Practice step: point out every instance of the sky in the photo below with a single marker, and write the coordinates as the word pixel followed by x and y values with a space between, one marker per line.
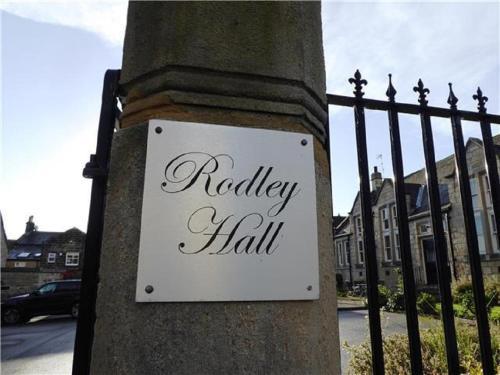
pixel 54 55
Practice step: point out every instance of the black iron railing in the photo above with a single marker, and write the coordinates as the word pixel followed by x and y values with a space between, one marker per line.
pixel 444 278
pixel 97 170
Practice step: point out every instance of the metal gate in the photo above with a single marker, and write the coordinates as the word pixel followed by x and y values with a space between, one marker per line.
pixel 425 112
pixel 97 169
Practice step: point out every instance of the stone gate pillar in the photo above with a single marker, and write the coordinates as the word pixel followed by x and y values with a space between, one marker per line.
pixel 246 64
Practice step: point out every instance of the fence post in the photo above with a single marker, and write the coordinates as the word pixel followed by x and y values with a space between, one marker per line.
pixel 471 237
pixel 410 297
pixel 368 230
pixel 444 274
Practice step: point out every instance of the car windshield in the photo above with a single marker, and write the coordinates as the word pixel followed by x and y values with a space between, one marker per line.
pixel 48 288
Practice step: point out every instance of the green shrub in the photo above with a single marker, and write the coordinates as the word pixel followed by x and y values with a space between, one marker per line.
pixel 397 356
pixel 395 301
pixel 426 304
pixel 495 315
pixel 462 312
pixel 383 295
pixel 492 291
pixel 463 294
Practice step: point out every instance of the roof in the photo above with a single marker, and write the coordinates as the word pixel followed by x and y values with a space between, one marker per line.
pixel 30 245
pixel 422 202
pixel 36 238
pixel 496 142
pixel 337 220
pixel 25 253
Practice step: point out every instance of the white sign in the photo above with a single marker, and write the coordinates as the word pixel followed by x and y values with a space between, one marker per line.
pixel 228 214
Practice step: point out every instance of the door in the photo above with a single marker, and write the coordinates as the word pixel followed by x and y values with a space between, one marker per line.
pixel 430 261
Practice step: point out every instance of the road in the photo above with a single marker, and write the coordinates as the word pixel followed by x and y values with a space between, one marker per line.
pixel 41 347
pixel 45 345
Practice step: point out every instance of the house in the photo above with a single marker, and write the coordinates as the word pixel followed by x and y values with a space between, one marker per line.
pixel 348 243
pixel 38 256
pixel 4 244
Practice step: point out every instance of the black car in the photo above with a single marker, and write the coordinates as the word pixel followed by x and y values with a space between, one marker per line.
pixel 57 297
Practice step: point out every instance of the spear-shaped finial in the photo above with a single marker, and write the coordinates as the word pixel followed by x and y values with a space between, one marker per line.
pixel 481 100
pixel 422 93
pixel 358 84
pixel 452 99
pixel 391 91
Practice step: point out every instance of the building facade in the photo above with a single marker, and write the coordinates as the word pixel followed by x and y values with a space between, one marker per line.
pixel 39 256
pixel 348 242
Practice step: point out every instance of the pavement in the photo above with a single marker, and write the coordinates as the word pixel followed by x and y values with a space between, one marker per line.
pixel 350 303
pixel 44 346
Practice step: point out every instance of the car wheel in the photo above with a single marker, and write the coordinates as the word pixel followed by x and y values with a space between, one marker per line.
pixel 12 316
pixel 74 310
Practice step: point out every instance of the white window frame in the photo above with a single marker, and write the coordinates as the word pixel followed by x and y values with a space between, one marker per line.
pixel 396 246
pixel 384 218
pixel 478 207
pixel 347 261
pixel 70 258
pixel 491 215
pixel 339 254
pixel 51 257
pixel 359 226
pixel 361 252
pixel 387 248
pixel 394 217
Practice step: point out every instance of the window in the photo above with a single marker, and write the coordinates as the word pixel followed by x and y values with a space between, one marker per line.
pixel 398 250
pixel 361 252
pixel 394 217
pixel 387 248
pixel 359 227
pixel 51 258
pixel 496 245
pixel 474 191
pixel 478 218
pixel 478 213
pixel 384 213
pixel 487 190
pixel 339 254
pixel 47 288
pixel 424 229
pixel 72 259
pixel 347 261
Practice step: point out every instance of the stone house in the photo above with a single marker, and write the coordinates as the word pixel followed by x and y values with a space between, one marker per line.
pixel 348 234
pixel 38 256
pixel 4 244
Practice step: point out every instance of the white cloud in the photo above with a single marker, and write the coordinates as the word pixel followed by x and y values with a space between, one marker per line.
pixel 105 18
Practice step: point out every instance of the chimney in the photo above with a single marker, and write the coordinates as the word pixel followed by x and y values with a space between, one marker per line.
pixel 30 225
pixel 376 179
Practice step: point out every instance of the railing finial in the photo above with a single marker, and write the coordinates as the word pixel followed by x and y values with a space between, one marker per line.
pixel 481 100
pixel 391 91
pixel 422 92
pixel 358 84
pixel 452 99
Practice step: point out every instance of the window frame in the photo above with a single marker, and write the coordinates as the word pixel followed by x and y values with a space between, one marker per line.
pixel 397 248
pixel 51 257
pixel 72 254
pixel 387 248
pixel 361 252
